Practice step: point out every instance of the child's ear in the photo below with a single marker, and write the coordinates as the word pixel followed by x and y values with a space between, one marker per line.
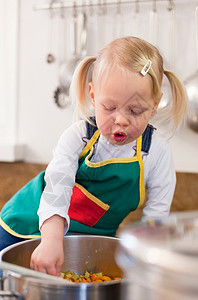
pixel 156 104
pixel 91 93
pixel 155 108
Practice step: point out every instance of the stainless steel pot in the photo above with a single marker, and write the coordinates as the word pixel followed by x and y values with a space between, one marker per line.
pixel 92 253
pixel 160 258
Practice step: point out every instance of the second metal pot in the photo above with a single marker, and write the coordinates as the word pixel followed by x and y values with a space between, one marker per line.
pixel 160 258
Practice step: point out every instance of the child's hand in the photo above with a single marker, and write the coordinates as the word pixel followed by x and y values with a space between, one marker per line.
pixel 48 257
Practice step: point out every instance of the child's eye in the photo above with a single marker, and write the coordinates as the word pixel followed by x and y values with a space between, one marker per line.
pixel 109 108
pixel 135 112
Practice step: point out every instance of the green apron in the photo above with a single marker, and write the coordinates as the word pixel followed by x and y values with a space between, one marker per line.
pixel 104 194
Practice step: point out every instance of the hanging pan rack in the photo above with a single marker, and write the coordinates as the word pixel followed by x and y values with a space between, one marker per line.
pixel 91 3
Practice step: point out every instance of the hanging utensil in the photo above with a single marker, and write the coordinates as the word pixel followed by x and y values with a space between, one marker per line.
pixel 154 24
pixel 80 51
pixel 61 97
pixel 191 85
pixel 119 30
pixel 62 25
pixel 50 56
pixel 171 10
pixel 167 96
pixel 101 24
pixel 137 18
pixel 81 42
pixel 61 94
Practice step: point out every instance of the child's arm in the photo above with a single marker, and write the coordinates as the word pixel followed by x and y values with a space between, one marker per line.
pixel 53 215
pixel 61 173
pixel 160 180
pixel 48 256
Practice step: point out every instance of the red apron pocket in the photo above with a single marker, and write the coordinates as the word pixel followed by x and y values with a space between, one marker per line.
pixel 86 208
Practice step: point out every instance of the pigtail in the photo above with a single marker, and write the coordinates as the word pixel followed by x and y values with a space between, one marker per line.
pixel 79 89
pixel 179 98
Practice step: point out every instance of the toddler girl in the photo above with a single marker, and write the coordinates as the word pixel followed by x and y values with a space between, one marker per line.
pixel 104 162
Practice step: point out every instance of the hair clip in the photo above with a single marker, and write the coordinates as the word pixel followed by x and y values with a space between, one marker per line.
pixel 146 68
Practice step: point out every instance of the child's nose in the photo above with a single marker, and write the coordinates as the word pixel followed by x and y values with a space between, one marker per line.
pixel 121 120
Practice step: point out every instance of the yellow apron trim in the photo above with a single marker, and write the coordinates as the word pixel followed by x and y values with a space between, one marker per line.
pixel 108 161
pixel 90 144
pixel 92 197
pixel 142 187
pixel 141 183
pixel 139 147
pixel 12 232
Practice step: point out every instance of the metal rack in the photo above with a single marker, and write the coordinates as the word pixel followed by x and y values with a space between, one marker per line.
pixel 96 3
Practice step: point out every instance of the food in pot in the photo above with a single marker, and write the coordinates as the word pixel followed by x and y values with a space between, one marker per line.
pixel 87 277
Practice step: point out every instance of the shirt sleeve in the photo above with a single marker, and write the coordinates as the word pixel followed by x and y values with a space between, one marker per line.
pixel 60 174
pixel 161 180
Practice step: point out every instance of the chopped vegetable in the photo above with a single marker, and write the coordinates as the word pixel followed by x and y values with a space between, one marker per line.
pixel 87 277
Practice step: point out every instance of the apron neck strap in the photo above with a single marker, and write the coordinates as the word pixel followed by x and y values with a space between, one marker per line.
pixel 94 139
pixel 139 146
pixel 90 144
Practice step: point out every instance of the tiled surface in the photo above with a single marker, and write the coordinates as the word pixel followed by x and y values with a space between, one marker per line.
pixel 14 175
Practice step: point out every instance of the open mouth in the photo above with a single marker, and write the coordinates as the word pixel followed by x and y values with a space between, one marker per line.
pixel 119 136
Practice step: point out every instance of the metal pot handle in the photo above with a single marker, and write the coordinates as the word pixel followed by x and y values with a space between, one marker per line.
pixel 11 294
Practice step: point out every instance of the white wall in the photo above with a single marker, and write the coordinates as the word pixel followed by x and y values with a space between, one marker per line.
pixel 40 121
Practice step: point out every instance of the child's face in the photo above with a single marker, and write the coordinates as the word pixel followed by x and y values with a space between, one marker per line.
pixel 123 105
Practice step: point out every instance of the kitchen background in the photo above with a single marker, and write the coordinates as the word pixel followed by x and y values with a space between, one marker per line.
pixel 30 120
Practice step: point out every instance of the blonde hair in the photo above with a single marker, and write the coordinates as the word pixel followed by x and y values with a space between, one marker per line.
pixel 131 53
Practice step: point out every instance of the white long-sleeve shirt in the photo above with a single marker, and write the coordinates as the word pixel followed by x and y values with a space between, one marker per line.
pixel 159 173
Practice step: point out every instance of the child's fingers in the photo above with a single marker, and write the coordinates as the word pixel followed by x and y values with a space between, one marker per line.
pixel 31 265
pixel 46 268
pixel 58 268
pixel 42 270
pixel 42 266
pixel 51 270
